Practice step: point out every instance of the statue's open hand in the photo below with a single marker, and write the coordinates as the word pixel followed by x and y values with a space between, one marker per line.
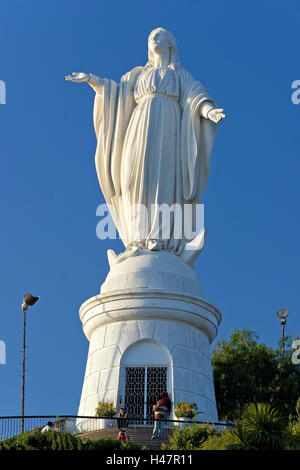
pixel 216 115
pixel 78 77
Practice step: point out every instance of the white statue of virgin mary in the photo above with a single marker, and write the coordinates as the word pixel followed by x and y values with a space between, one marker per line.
pixel 155 131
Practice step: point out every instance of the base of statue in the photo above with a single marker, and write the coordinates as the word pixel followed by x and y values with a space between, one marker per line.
pixel 149 331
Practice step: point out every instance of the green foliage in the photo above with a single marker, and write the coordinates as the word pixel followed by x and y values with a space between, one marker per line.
pixel 185 410
pixel 294 441
pixel 226 440
pixel 52 440
pixel 294 430
pixel 105 410
pixel 107 443
pixel 262 427
pixel 246 371
pixel 35 440
pixel 298 407
pixel 190 437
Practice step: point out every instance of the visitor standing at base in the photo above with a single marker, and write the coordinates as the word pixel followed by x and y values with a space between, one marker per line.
pixel 161 411
pixel 122 419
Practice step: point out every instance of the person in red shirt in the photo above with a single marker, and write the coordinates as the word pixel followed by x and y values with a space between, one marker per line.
pixel 166 401
pixel 122 436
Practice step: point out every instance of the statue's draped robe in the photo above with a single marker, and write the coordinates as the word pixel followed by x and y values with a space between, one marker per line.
pixel 153 148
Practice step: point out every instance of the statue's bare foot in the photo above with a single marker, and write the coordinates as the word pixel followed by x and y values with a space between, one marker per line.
pixel 155 245
pixel 134 246
pixel 134 249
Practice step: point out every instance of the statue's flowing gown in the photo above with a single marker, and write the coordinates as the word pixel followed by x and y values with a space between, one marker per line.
pixel 153 150
pixel 150 166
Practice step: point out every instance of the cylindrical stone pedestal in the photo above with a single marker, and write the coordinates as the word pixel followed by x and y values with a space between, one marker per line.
pixel 149 324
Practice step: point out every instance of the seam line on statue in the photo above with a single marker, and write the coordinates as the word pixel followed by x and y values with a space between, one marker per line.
pixel 194 350
pixel 138 328
pixel 198 372
pixel 104 338
pixel 195 393
pixel 178 367
pixel 109 346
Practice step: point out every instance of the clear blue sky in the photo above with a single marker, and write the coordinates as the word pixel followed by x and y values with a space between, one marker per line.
pixel 247 54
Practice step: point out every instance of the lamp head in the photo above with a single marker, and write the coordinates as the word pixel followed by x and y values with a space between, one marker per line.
pixel 282 313
pixel 30 299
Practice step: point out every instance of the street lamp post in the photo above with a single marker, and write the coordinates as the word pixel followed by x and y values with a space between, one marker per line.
pixel 27 301
pixel 282 314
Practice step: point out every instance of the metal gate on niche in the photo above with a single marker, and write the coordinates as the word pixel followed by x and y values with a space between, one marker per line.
pixel 143 387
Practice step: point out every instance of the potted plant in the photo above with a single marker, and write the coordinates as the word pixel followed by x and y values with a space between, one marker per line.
pixel 185 412
pixel 106 411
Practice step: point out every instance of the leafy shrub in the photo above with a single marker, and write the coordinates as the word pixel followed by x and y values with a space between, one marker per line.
pixel 105 410
pixel 52 440
pixel 107 443
pixel 35 440
pixel 190 437
pixel 293 441
pixel 261 427
pixel 226 440
pixel 298 408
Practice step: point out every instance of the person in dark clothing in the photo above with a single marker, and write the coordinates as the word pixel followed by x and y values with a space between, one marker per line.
pixel 122 419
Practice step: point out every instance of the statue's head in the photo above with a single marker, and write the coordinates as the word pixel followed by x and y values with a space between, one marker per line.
pixel 160 38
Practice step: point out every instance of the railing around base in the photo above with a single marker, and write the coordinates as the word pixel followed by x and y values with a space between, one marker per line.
pixel 11 425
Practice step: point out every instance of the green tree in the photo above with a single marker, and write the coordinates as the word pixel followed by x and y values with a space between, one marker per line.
pixel 286 381
pixel 247 371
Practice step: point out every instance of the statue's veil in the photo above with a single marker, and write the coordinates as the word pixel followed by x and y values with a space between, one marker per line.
pixel 174 58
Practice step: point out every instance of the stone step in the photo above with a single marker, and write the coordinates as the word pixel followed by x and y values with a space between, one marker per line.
pixel 140 436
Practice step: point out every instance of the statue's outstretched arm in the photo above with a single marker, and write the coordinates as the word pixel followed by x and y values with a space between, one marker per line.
pixel 95 82
pixel 208 111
